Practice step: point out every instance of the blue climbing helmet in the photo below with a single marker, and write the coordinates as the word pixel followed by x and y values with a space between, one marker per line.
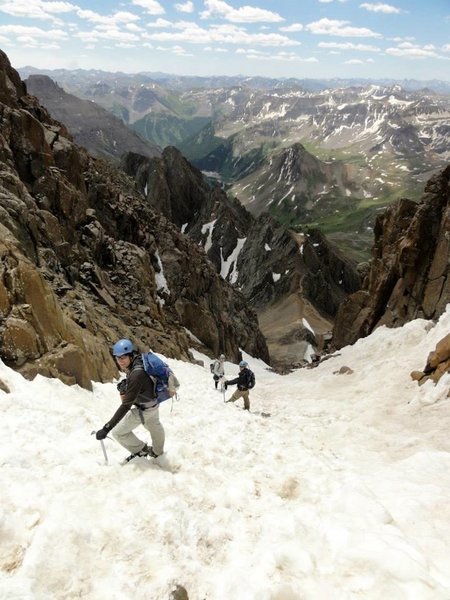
pixel 243 364
pixel 123 347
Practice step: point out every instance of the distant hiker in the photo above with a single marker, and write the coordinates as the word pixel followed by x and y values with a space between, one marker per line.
pixel 139 407
pixel 245 381
pixel 218 369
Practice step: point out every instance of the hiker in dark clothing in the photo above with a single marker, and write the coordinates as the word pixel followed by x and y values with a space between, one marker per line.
pixel 242 385
pixel 139 406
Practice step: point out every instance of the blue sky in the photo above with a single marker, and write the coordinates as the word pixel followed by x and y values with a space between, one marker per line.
pixel 284 38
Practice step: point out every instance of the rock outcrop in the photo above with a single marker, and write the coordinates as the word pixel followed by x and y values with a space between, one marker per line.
pixel 409 275
pixel 84 260
pixel 438 363
pixel 295 282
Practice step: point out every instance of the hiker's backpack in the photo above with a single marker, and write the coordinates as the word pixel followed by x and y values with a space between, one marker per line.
pixel 166 384
pixel 250 379
pixel 211 367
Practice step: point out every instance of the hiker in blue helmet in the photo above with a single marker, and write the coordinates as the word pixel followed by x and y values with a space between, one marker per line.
pixel 138 406
pixel 242 381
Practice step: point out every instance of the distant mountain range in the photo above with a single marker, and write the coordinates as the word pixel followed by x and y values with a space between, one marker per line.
pixel 218 81
pixel 325 153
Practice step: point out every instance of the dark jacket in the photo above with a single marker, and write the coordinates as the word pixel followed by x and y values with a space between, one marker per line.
pixel 139 390
pixel 241 379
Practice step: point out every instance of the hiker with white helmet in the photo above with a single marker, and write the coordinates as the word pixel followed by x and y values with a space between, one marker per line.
pixel 138 407
pixel 245 381
pixel 218 369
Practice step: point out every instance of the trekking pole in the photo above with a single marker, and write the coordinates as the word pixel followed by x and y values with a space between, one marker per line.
pixel 103 448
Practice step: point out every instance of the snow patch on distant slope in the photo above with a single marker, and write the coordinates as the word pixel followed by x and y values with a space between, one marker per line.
pixel 208 227
pixel 231 261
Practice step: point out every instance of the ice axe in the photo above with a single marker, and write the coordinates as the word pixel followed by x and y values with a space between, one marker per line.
pixel 103 448
pixel 223 389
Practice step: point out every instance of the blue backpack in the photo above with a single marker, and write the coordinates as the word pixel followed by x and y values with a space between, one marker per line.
pixel 166 384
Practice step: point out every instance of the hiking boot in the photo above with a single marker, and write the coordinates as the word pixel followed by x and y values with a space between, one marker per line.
pixel 145 451
pixel 151 453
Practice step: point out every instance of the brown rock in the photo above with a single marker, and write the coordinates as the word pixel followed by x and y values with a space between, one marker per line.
pixel 409 273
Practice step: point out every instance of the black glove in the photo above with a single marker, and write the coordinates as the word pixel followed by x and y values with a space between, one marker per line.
pixel 122 386
pixel 102 433
pixel 225 385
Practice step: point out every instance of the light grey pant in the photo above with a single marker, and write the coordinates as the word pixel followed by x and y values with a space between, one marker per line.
pixel 241 394
pixel 123 431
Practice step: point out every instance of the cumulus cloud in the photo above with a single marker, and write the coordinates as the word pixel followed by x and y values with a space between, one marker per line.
pixel 151 6
pixel 244 14
pixel 339 28
pixel 254 54
pixel 354 61
pixel 111 20
pixel 187 7
pixel 408 50
pixel 226 34
pixel 292 28
pixel 36 9
pixel 349 46
pixel 382 8
pixel 178 50
pixel 33 32
pixel 160 23
pixel 107 34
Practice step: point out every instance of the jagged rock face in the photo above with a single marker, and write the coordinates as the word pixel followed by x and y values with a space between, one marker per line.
pixel 248 252
pixel 100 132
pixel 84 260
pixel 171 184
pixel 263 259
pixel 409 274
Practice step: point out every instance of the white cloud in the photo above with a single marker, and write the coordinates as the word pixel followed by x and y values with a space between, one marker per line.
pixel 354 61
pixel 33 32
pixel 349 46
pixel 226 34
pixel 292 28
pixel 214 49
pixel 103 33
pixel 187 7
pixel 36 9
pixel 339 28
pixel 255 54
pixel 133 27
pixel 160 23
pixel 408 50
pixel 398 39
pixel 244 14
pixel 151 6
pixel 446 48
pixel 178 50
pixel 111 20
pixel 379 7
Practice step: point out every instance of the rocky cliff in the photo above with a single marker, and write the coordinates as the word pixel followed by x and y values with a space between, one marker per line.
pixel 100 132
pixel 409 274
pixel 294 281
pixel 85 260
